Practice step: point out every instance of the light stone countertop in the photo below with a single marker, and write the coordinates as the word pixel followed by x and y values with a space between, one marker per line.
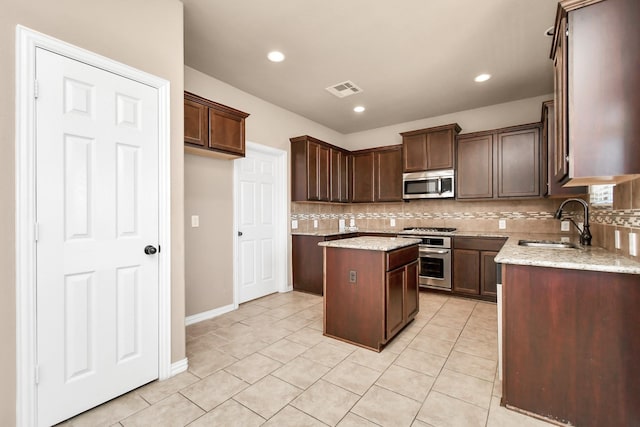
pixel 589 258
pixel 326 233
pixel 384 244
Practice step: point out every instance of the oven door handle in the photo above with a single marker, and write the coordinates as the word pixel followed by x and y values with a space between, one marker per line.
pixel 434 251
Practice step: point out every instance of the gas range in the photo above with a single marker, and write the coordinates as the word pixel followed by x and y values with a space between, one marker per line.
pixel 427 231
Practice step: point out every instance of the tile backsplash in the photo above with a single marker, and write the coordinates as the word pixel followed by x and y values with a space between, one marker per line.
pixel 532 216
pixel 623 216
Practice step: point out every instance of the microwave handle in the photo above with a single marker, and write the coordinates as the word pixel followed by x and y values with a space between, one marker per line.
pixel 439 185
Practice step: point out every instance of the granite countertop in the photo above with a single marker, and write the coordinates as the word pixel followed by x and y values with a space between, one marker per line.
pixel 369 243
pixel 590 258
pixel 326 233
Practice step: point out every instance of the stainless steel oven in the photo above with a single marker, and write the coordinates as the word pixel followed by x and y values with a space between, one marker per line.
pixel 434 260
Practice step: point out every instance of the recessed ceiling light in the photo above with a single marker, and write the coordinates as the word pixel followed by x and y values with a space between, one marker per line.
pixel 275 56
pixel 359 109
pixel 482 78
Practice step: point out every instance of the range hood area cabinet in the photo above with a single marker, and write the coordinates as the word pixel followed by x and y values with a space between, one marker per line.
pixel 429 149
pixel 212 129
pixel 319 171
pixel 499 164
pixel 595 51
pixel 377 175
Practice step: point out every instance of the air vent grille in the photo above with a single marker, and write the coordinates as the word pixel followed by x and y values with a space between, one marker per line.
pixel 344 89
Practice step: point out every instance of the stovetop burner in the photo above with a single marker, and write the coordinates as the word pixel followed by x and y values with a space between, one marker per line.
pixel 423 230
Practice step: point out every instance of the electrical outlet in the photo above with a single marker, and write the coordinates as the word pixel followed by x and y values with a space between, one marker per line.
pixel 315 223
pixel 341 225
pixel 565 226
pixel 353 276
pixel 352 222
pixel 502 224
pixel 633 244
pixel 617 239
pixel 392 222
pixel 294 224
pixel 195 221
pixel 565 239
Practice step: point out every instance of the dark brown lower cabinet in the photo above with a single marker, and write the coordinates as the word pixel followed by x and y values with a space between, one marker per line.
pixel 306 262
pixel 571 345
pixel 474 268
pixel 369 295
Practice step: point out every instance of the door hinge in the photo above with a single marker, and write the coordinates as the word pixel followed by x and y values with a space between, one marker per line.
pixel 159 248
pixel 36 374
pixel 36 231
pixel 566 31
pixel 36 89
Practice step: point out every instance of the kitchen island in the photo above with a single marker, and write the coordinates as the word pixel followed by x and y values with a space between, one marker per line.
pixel 370 288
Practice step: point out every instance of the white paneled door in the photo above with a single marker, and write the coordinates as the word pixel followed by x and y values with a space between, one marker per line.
pixel 256 225
pixel 97 211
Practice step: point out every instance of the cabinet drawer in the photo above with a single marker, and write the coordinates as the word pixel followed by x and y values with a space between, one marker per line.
pixel 401 257
pixel 479 244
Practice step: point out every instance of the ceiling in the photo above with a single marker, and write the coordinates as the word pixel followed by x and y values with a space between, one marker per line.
pixel 413 59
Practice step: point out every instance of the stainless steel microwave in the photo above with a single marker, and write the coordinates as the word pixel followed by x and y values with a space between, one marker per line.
pixel 428 185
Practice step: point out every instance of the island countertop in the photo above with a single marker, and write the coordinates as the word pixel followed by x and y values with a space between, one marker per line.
pixel 384 244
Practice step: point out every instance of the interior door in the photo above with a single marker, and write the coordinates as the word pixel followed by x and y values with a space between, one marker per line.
pixel 97 210
pixel 257 240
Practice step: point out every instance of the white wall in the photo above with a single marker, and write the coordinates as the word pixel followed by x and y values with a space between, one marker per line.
pixel 484 118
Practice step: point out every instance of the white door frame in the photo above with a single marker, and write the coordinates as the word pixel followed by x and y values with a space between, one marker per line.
pixel 27 41
pixel 280 215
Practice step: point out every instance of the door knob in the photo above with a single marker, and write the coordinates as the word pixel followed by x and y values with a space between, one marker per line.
pixel 150 250
pixel 239 233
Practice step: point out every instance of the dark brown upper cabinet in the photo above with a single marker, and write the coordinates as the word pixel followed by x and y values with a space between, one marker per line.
pixel 596 51
pixel 377 175
pixel 500 163
pixel 429 149
pixel 549 186
pixel 213 129
pixel 319 171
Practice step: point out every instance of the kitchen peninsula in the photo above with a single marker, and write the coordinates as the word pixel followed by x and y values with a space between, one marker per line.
pixel 370 288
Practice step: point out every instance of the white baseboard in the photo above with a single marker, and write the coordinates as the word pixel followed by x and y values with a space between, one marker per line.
pixel 287 289
pixel 179 366
pixel 195 318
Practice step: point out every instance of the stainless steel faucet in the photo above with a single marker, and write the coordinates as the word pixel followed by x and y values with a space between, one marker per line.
pixel 585 234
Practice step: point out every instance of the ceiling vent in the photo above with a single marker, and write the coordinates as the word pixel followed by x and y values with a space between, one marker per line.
pixel 344 89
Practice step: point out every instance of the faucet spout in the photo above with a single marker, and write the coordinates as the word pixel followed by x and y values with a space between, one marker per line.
pixel 585 234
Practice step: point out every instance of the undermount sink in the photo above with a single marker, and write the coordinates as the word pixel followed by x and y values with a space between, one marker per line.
pixel 548 244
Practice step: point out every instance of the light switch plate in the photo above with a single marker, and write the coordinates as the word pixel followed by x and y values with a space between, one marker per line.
pixel 294 224
pixel 392 222
pixel 195 221
pixel 502 224
pixel 315 223
pixel 352 222
pixel 565 226
pixel 633 244
pixel 616 239
pixel 341 225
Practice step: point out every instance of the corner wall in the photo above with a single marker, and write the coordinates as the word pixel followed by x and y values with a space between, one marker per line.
pixel 209 190
pixel 143 35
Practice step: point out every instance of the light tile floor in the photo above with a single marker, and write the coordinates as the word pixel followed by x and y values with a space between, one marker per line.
pixel 268 363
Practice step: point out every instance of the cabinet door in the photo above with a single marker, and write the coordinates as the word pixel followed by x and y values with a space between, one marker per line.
pixel 313 171
pixel 519 163
pixel 550 186
pixel 226 131
pixel 395 301
pixel 306 263
pixel 561 142
pixel 195 123
pixel 411 291
pixel 336 176
pixel 414 153
pixel 345 182
pixel 475 167
pixel 323 173
pixel 488 276
pixel 363 177
pixel 440 149
pixel 388 175
pixel 466 269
